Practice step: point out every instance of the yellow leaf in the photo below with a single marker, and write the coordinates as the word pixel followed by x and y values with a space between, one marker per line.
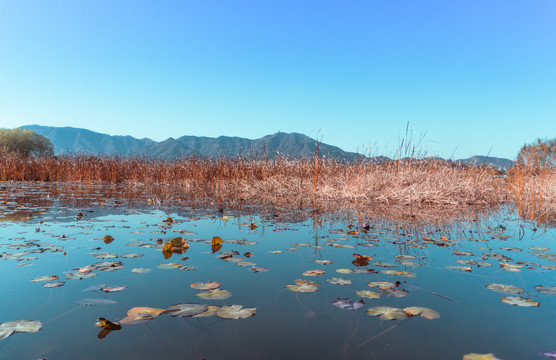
pixel 216 244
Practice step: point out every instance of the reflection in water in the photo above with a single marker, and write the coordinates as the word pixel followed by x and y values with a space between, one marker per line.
pixel 298 285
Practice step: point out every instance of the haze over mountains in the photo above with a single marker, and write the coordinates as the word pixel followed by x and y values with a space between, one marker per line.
pixel 293 145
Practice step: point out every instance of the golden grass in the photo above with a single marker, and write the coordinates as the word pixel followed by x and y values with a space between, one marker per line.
pixel 533 189
pixel 302 183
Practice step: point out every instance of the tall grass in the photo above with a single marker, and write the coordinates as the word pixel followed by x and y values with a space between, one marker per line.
pixel 281 181
pixel 533 189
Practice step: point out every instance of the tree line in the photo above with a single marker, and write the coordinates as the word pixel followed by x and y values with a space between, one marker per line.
pixel 25 142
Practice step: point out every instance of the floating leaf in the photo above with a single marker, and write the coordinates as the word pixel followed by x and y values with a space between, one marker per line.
pixel 93 302
pixel 18 326
pixel 347 304
pixel 394 292
pixel 140 270
pixel 209 285
pixel 131 256
pixel 313 272
pixel 303 286
pixel 107 239
pixel 154 312
pixel 168 266
pixel 368 294
pixel 506 289
pixel 344 271
pixel 364 271
pixel 425 312
pixel 520 301
pixel 216 244
pixel 459 268
pixel 398 273
pixel 384 264
pixel 382 284
pixel 548 354
pixel 235 312
pixel 111 289
pixel 258 269
pixel 510 267
pixel 140 315
pixel 45 278
pixel 186 309
pixel 387 312
pixel 323 262
pixel 539 248
pixel 108 325
pixel 549 290
pixel 54 284
pixel 463 253
pixel 474 356
pixel 212 309
pixel 507 248
pixel 79 275
pixel 136 319
pixel 216 294
pixel 339 281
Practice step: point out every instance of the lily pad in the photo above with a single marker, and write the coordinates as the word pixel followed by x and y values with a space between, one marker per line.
pixel 395 292
pixel 235 312
pixel 339 281
pixel 387 312
pixel 313 272
pixel 185 309
pixel 520 301
pixel 140 270
pixel 344 271
pixel 212 309
pixel 382 284
pixel 54 284
pixel 303 286
pixel 510 267
pixel 19 326
pixel 216 294
pixel 368 294
pixel 506 289
pixel 323 262
pixel 93 302
pixel 549 290
pixel 425 312
pixel 347 304
pixel 258 269
pixel 209 285
pixel 45 278
pixel 474 356
pixel 459 268
pixel 398 273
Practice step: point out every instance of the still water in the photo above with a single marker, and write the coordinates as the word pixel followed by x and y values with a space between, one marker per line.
pixel 445 268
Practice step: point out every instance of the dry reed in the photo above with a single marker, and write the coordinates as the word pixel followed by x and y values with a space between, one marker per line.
pixel 281 181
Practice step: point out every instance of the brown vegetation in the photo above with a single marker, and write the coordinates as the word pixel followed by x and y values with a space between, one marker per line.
pixel 309 183
pixel 281 180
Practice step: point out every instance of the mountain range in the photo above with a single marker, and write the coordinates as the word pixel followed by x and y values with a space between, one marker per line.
pixel 292 145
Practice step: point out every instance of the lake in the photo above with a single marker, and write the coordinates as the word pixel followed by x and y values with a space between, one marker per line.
pixel 111 259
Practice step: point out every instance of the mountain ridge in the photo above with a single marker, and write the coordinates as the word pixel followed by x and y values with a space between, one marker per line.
pixel 293 145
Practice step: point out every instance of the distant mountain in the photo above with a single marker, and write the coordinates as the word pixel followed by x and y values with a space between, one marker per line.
pixel 478 160
pixel 294 145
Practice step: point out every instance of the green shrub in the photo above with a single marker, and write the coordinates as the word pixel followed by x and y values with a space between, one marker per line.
pixel 25 142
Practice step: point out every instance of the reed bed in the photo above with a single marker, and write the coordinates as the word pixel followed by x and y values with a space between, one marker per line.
pixel 282 181
pixel 533 190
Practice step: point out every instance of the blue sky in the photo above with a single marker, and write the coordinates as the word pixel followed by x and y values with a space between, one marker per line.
pixel 469 76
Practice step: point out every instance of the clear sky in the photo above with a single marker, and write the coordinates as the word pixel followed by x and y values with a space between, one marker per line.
pixel 469 76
